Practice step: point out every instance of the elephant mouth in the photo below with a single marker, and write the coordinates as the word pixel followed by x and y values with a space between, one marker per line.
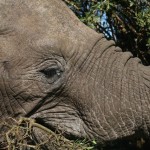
pixel 57 130
pixel 45 127
pixel 127 143
pixel 39 132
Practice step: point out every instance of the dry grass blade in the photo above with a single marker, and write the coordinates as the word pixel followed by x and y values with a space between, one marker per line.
pixel 20 136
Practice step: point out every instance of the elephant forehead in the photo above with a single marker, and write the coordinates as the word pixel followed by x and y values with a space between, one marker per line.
pixel 43 17
pixel 40 22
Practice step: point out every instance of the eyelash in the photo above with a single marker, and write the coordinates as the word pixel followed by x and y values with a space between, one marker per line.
pixel 52 74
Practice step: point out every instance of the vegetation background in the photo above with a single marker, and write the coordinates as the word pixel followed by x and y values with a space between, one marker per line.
pixel 127 22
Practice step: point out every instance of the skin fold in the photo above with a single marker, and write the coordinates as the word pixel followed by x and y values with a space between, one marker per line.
pixel 68 77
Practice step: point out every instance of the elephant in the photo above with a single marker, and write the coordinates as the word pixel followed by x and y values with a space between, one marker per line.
pixel 67 77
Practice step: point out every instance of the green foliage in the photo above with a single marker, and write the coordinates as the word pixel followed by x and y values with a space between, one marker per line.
pixel 127 22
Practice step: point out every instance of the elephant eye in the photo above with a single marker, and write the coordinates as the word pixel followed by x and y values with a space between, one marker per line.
pixel 52 74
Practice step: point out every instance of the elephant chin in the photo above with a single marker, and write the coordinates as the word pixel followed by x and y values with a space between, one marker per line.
pixel 73 129
pixel 46 133
pixel 62 118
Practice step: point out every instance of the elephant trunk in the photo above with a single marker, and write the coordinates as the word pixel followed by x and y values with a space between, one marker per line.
pixel 116 97
pixel 144 93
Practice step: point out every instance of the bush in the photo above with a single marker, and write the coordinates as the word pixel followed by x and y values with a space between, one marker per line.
pixel 127 22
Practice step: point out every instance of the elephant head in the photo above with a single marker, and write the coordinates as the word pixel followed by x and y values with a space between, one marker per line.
pixel 68 77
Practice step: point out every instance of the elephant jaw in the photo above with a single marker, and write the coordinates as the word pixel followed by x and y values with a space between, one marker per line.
pixel 62 120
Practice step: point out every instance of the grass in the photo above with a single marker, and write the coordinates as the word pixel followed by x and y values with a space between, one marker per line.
pixel 20 136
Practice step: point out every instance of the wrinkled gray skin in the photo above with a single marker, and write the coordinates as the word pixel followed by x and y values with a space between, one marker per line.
pixel 68 77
